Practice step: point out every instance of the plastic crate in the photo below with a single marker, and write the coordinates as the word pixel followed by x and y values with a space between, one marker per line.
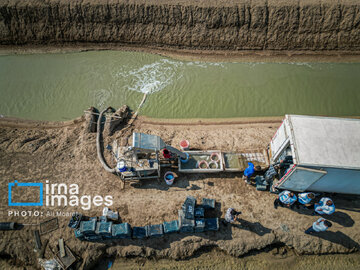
pixel 103 219
pixel 185 224
pixel 104 229
pixel 208 203
pixel 211 224
pixel 261 184
pixel 199 212
pixel 171 226
pixel 140 232
pixel 78 234
pixel 199 225
pixel 121 231
pixel 261 187
pixel 189 207
pixel 156 230
pixel 75 220
pixel 88 227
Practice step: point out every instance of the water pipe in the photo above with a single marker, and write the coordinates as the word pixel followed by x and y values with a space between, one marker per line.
pixel 98 148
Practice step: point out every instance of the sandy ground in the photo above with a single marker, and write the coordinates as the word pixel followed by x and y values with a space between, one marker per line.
pixel 276 259
pixel 66 153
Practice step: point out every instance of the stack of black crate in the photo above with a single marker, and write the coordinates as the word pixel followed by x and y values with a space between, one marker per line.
pixel 192 216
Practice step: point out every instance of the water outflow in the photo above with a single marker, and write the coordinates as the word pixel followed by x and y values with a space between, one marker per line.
pixel 146 79
pixel 151 78
pixel 62 86
pixel 154 77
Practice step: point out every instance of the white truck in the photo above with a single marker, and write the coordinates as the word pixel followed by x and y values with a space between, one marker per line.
pixel 325 153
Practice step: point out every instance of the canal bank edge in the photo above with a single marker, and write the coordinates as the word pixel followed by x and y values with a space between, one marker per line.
pixel 209 25
pixel 14 122
pixel 213 56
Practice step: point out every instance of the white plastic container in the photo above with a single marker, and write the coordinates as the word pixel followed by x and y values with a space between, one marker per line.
pixel 110 214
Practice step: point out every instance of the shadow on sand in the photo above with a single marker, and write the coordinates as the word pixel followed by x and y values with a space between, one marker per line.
pixel 341 218
pixel 224 233
pixel 254 227
pixel 338 217
pixel 338 238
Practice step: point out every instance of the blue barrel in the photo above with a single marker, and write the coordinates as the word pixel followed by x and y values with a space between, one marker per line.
pixel 184 160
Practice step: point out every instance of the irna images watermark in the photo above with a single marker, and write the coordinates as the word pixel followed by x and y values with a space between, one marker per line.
pixel 55 194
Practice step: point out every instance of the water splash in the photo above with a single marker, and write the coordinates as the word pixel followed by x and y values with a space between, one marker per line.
pixel 152 78
pixel 255 64
pixel 156 76
pixel 206 64
pixel 309 65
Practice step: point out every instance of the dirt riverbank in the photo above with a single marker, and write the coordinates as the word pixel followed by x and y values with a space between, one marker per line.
pixel 237 25
pixel 66 153
pixel 276 259
pixel 243 56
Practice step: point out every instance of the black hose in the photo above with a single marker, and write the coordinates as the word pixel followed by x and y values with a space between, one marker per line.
pixel 99 152
pixel 7 226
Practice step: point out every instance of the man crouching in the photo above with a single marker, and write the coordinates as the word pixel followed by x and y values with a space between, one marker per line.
pixel 231 216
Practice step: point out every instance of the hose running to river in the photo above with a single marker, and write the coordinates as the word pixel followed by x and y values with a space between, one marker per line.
pixel 98 136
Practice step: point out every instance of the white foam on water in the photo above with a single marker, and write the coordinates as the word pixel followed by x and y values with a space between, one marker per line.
pixel 254 64
pixel 152 78
pixel 206 64
pixel 302 64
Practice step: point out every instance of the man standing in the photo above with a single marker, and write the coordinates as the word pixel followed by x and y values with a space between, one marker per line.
pixel 286 198
pixel 325 206
pixel 270 173
pixel 320 225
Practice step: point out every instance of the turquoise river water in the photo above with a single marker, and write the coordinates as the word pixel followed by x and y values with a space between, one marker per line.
pixel 61 86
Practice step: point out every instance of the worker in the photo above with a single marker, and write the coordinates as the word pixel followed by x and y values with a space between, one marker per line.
pixel 320 225
pixel 284 165
pixel 249 171
pixel 270 173
pixel 231 216
pixel 306 199
pixel 286 162
pixel 325 206
pixel 285 199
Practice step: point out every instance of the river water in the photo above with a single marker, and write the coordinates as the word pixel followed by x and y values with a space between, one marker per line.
pixel 61 86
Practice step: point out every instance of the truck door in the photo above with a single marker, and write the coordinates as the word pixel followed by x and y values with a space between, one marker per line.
pixel 300 179
pixel 279 142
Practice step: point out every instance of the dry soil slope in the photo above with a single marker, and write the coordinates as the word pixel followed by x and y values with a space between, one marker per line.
pixel 230 25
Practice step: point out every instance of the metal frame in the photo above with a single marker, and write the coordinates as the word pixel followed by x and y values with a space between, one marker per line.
pixel 48 221
pixel 137 176
pixel 67 261
pixel 220 169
